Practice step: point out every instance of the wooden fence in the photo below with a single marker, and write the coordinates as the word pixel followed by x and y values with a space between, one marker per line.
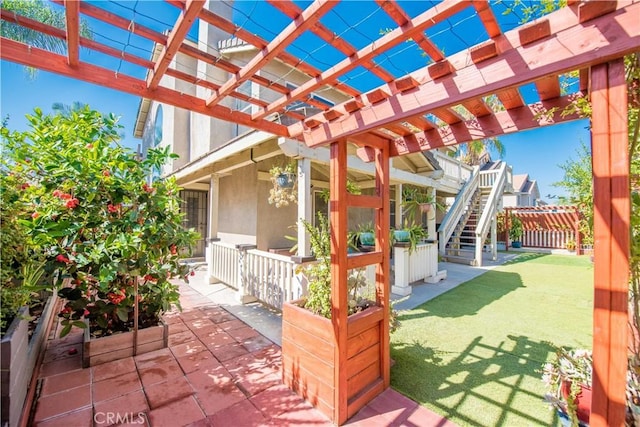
pixel 549 227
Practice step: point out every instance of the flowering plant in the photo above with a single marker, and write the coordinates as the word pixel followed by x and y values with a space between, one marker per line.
pixel 569 369
pixel 98 221
pixel 284 189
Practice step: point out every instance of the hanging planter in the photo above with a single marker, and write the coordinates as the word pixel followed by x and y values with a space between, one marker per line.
pixel 286 180
pixel 425 207
pixel 284 189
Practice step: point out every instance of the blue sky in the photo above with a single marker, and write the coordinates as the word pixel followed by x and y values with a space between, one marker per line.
pixel 537 152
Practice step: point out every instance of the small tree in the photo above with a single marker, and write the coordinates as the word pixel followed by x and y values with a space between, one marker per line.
pixel 96 220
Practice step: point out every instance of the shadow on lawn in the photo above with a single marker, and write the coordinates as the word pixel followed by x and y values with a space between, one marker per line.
pixel 470 296
pixel 463 378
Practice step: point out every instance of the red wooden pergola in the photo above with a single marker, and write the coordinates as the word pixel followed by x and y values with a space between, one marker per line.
pixel 411 113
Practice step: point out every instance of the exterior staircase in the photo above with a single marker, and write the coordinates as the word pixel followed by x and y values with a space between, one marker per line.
pixel 471 220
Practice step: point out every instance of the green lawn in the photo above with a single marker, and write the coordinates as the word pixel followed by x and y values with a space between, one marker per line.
pixel 474 353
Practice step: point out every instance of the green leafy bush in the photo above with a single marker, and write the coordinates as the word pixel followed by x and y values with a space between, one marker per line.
pixel 98 221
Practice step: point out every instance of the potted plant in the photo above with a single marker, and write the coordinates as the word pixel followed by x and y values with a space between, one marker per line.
pixel 308 347
pixel 515 232
pixel 568 380
pixel 415 202
pixel 284 182
pixel 366 234
pixel 114 235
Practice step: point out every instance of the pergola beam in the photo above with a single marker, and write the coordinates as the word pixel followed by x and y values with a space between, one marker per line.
pixel 428 19
pixel 501 123
pixel 72 17
pixel 174 41
pixel 574 45
pixel 302 23
pixel 30 56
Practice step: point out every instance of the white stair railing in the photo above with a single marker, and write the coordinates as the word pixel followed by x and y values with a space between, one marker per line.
pixel 498 179
pixel 451 219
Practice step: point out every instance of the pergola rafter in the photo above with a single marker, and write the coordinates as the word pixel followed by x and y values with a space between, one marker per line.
pixel 299 25
pixel 482 91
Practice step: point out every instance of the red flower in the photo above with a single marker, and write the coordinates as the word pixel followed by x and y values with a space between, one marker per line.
pixel 106 173
pixel 89 146
pixel 86 312
pixel 35 215
pixel 25 186
pixel 113 208
pixel 149 278
pixel 57 193
pixel 193 273
pixel 146 188
pixel 62 258
pixel 72 203
pixel 115 298
pixel 66 196
pixel 173 249
pixel 66 310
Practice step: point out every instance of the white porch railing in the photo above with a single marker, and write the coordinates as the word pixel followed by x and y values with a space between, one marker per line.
pixel 450 220
pixel 225 264
pixel 420 264
pixel 267 277
pixel 497 179
pixel 272 278
pixel 547 238
pixel 453 168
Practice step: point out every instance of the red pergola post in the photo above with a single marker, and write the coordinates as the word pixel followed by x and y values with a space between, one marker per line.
pixel 611 242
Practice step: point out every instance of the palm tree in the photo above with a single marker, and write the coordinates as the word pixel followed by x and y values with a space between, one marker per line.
pixel 43 12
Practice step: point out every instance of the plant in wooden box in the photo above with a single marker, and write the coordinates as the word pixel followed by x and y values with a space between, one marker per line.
pixel 284 181
pixel 116 237
pixel 308 345
pixel 26 306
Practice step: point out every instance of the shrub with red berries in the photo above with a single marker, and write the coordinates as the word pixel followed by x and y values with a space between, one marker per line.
pixel 92 211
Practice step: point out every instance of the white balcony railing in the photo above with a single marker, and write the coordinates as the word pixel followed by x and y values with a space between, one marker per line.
pixel 453 168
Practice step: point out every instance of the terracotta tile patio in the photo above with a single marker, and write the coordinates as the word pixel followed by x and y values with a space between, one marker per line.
pixel 217 371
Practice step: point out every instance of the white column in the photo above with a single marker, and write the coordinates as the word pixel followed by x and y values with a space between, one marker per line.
pixel 399 218
pixel 401 284
pixel 431 218
pixel 304 205
pixel 494 237
pixel 214 191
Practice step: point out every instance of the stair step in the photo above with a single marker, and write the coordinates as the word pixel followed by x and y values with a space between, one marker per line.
pixel 459 260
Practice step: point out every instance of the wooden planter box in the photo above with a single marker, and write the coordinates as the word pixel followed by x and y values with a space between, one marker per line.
pixel 308 355
pixel 106 349
pixel 19 356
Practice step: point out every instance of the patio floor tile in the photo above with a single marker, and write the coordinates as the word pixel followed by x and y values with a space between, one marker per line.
pixel 227 352
pixel 202 360
pixel 160 371
pixel 166 392
pixel 187 348
pixel 181 338
pixel 178 413
pixel 61 366
pixel 65 401
pixel 83 417
pixel 65 381
pixel 243 333
pixel 244 411
pixel 112 369
pixel 129 405
pixel 301 415
pixel 275 400
pixel 116 386
pixel 231 324
pixel 58 352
